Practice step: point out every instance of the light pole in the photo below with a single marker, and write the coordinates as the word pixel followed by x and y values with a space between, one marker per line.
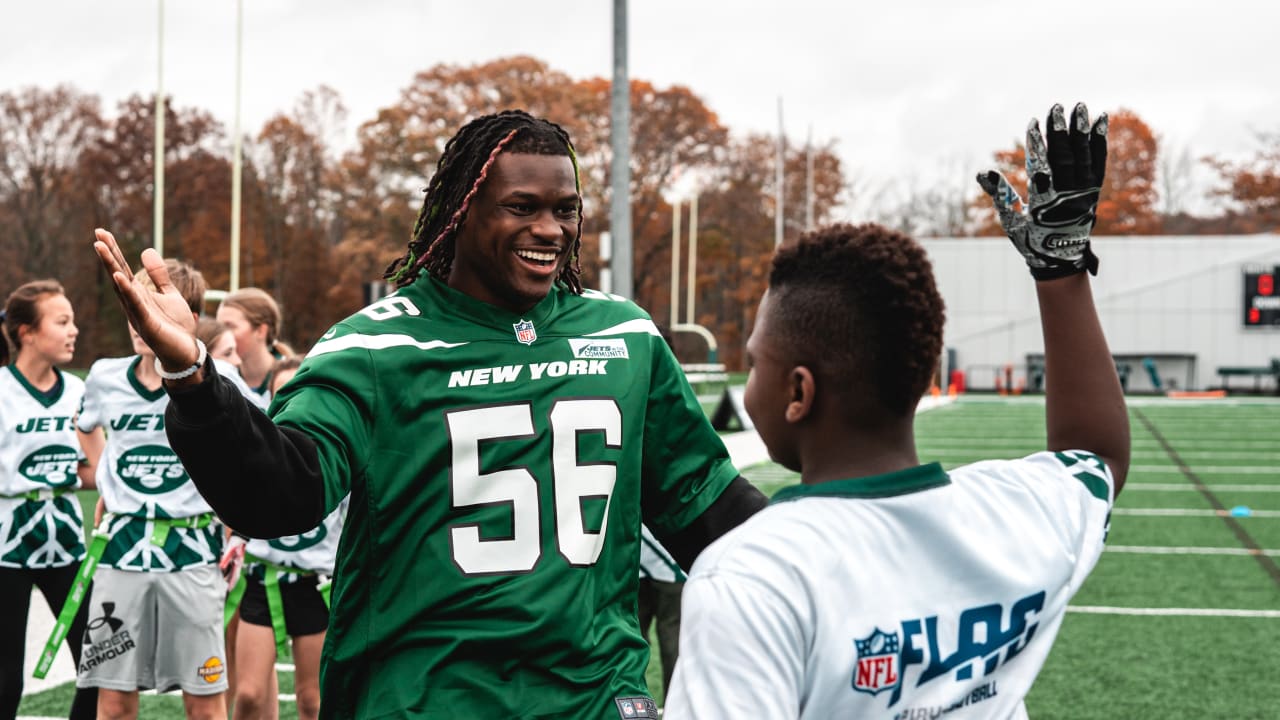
pixel 157 219
pixel 675 261
pixel 234 282
pixel 620 142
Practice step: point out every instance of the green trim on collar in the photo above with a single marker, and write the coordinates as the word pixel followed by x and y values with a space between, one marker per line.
pixel 47 399
pixel 902 482
pixel 146 394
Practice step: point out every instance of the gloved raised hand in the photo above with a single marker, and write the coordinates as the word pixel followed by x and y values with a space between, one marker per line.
pixel 1064 179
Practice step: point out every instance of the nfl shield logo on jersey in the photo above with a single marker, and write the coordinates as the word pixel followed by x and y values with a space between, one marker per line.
pixel 525 332
pixel 877 667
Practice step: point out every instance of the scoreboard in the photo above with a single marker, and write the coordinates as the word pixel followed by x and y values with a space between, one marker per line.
pixel 1261 299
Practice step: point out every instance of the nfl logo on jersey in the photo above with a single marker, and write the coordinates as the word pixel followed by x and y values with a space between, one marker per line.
pixel 877 667
pixel 525 332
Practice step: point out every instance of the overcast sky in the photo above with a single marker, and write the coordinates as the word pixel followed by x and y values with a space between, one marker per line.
pixel 910 89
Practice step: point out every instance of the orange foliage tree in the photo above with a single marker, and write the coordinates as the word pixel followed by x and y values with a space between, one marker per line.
pixel 1254 184
pixel 315 225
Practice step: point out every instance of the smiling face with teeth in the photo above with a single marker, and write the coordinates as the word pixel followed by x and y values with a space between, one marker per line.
pixel 519 231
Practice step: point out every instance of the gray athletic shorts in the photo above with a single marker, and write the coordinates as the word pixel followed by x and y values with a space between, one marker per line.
pixel 159 630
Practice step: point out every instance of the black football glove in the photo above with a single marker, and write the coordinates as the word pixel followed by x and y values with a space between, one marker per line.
pixel 1064 180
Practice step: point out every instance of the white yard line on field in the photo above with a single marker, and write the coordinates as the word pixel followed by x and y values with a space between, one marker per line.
pixel 1132 486
pixel 1165 550
pixel 1173 612
pixel 1189 512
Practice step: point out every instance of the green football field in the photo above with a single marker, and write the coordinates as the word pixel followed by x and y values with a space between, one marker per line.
pixel 1181 617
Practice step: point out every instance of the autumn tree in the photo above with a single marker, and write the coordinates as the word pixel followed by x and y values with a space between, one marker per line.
pixel 1254 185
pixel 42 197
pixel 118 168
pixel 736 229
pixel 1128 204
pixel 297 197
pixel 46 205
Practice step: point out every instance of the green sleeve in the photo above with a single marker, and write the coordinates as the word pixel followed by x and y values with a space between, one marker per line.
pixel 685 465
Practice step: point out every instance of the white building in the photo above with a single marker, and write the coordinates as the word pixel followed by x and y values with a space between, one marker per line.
pixel 1178 301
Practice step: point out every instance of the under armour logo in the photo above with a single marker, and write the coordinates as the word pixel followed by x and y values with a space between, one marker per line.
pixel 108 609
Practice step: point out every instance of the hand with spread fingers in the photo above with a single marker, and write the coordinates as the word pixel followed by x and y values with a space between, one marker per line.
pixel 1064 180
pixel 161 316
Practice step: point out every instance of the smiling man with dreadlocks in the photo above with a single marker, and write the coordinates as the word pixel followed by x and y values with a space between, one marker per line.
pixel 502 434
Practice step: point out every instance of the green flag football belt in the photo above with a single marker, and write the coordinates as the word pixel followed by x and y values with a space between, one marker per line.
pixel 275 604
pixel 42 493
pixel 80 587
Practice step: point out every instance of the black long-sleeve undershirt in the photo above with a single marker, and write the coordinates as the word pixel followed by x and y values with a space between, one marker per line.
pixel 265 480
pixel 262 479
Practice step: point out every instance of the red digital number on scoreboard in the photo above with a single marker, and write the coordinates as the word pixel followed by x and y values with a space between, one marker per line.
pixel 1266 284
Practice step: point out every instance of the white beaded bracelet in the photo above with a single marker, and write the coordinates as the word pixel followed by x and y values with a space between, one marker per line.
pixel 189 371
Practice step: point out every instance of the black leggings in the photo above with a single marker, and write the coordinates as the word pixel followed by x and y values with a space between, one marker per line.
pixel 15 600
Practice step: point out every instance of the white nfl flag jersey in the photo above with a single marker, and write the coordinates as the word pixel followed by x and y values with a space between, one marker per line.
pixel 38 458
pixel 920 593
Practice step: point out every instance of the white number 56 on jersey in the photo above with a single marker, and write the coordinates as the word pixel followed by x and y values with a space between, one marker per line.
pixel 516 486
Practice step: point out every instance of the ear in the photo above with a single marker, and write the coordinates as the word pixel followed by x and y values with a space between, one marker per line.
pixel 803 389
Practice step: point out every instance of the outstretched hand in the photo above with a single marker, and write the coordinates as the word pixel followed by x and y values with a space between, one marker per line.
pixel 161 316
pixel 1064 178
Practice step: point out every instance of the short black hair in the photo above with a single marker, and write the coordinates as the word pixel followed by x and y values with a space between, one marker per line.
pixel 461 171
pixel 858 305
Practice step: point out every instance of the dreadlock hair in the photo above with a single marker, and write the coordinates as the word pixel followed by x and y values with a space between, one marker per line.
pixel 23 308
pixel 858 304
pixel 462 169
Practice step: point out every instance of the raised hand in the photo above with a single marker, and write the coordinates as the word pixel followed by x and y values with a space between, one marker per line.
pixel 1064 180
pixel 161 317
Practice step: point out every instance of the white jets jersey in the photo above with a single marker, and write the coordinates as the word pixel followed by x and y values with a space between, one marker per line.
pixel 313 551
pixel 38 455
pixel 913 594
pixel 140 477
pixel 655 562
pixel 138 473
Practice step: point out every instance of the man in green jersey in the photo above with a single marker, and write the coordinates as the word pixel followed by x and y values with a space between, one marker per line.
pixel 502 433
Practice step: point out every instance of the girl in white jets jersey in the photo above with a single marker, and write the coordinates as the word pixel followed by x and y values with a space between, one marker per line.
pixel 880 587
pixel 156 607
pixel 284 593
pixel 41 525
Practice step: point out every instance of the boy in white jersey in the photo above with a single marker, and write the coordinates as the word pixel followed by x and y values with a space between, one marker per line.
pixel 156 607
pixel 879 587
pixel 41 528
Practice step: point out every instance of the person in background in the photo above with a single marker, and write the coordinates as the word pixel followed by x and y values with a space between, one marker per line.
pixel 254 319
pixel 219 339
pixel 881 587
pixel 157 603
pixel 283 597
pixel 658 603
pixel 41 523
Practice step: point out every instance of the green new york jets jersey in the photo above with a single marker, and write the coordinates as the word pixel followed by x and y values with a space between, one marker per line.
pixel 38 458
pixel 498 465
